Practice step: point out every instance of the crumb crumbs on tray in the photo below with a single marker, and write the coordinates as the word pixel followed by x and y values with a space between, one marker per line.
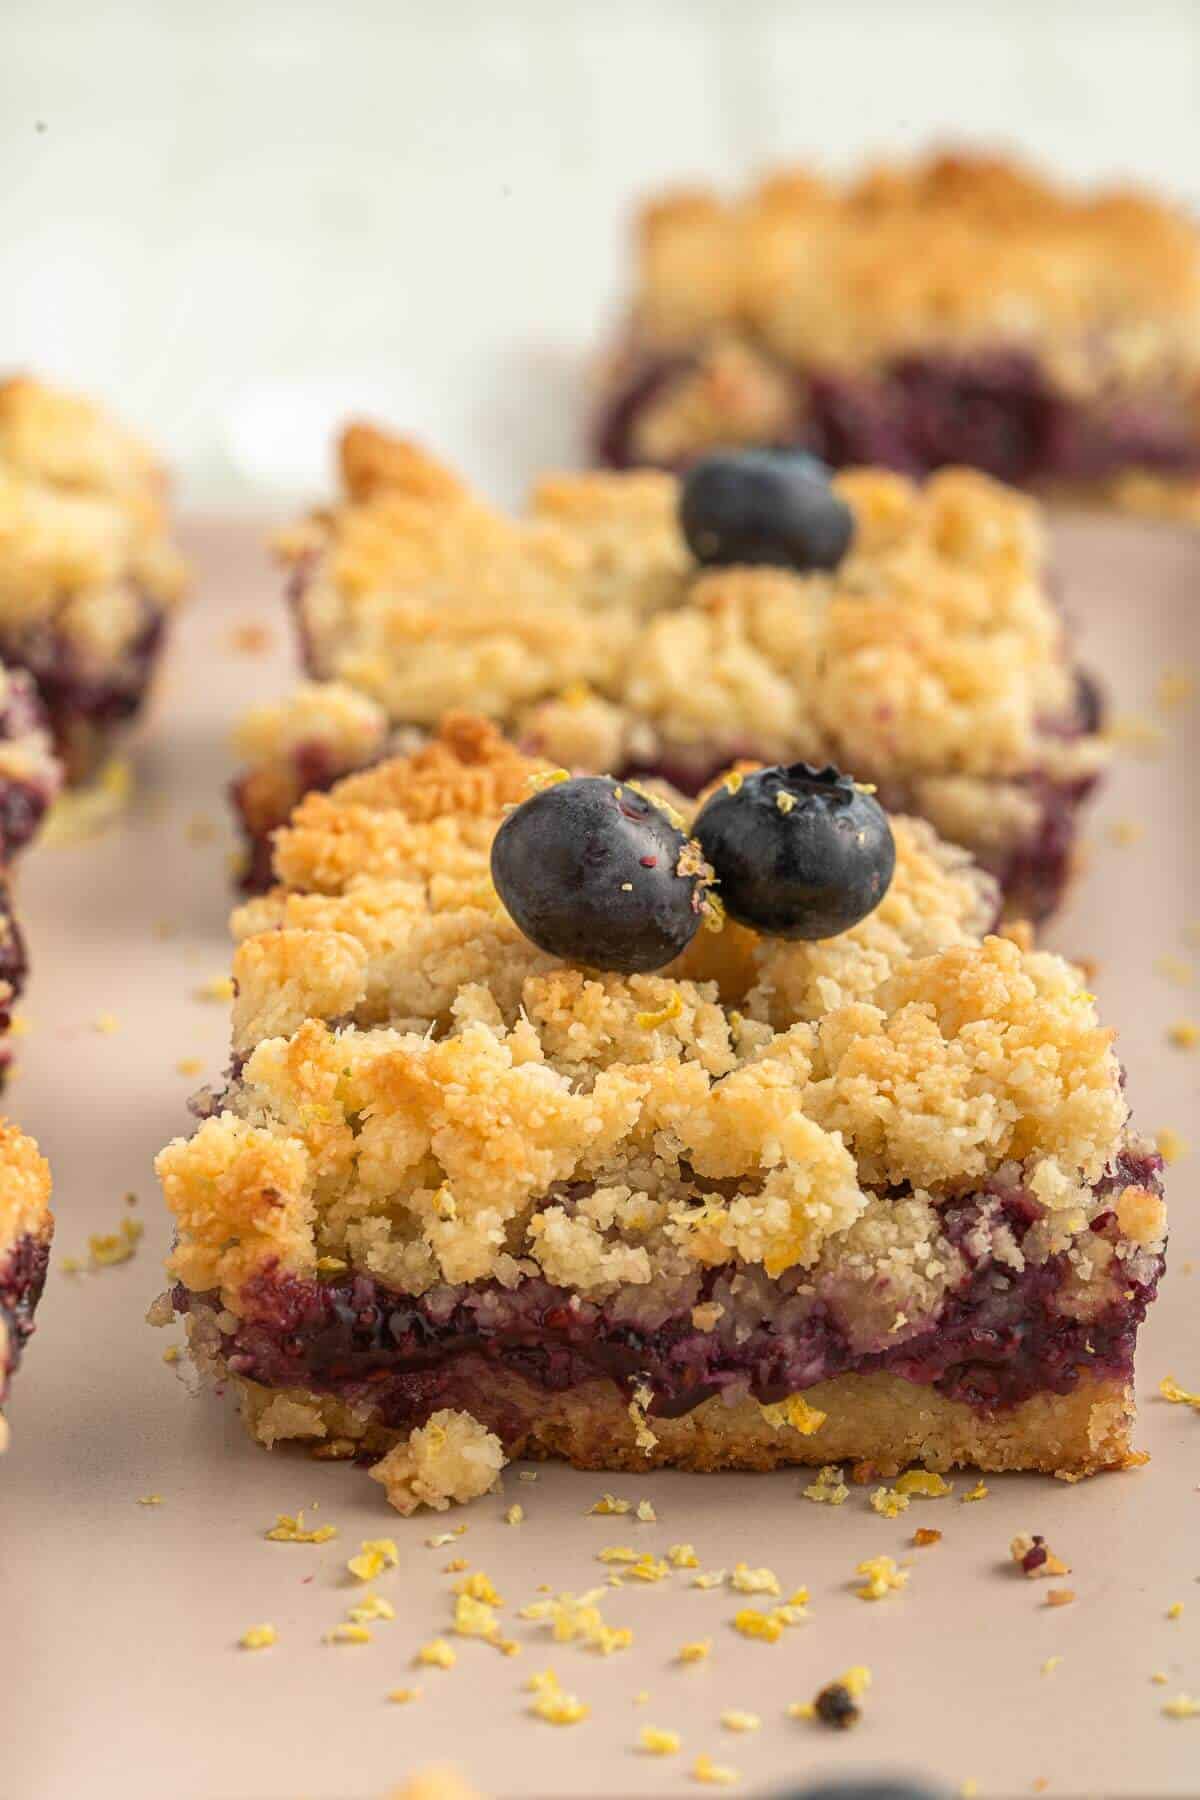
pixel 437 1654
pixel 1169 1389
pixel 374 1556
pixel 1184 1034
pixel 657 1742
pixel 714 1774
pixel 258 1637
pixel 978 1492
pixel 1060 1596
pixel 401 1696
pixel 883 1577
pixel 697 1652
pixel 1172 1145
pixel 924 1536
pixel 1034 1558
pixel 829 1488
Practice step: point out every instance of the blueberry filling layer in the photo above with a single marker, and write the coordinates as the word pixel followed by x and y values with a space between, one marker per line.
pixel 23 802
pixel 1004 1335
pixel 22 1278
pixel 314 770
pixel 993 409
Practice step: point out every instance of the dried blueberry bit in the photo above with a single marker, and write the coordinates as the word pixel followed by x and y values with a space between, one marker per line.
pixel 593 871
pixel 798 852
pixel 764 506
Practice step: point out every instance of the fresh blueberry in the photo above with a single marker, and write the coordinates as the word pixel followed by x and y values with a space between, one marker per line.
pixel 797 852
pixel 764 506
pixel 593 871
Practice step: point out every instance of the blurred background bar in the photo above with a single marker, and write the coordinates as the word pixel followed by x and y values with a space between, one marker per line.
pixel 235 221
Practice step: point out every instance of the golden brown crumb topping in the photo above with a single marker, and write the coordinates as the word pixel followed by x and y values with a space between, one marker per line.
pixel 24 1188
pixel 428 1098
pixel 954 250
pixel 82 514
pixel 932 654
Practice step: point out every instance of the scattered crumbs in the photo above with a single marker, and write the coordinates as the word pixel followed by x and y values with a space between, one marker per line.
pixel 150 1499
pixel 259 1637
pixel 923 1537
pixel 697 1652
pixel 106 1249
pixel 1176 688
pixel 1175 1610
pixel 1169 1389
pixel 19 1026
pixel 455 1565
pixel 527 1475
pixel 882 1575
pixel 1159 1678
pixel 682 1556
pixel 1139 735
pixel 754 1581
pixel 755 1624
pixel 608 1504
pixel 924 1484
pixel 574 1616
pixel 709 1578
pixel 1182 1707
pixel 657 1742
pixel 1060 1596
pixel 216 988
pixel 251 639
pixel 1171 1145
pixel 402 1696
pixel 348 1634
pixel 801 1709
pixel 734 1720
pixel 172 1353
pixel 370 1608
pixel 1051 1663
pixel 200 829
pixel 888 1502
pixel 374 1556
pixel 190 1065
pixel 837 1704
pixel 514 1514
pixel 646 1512
pixel 796 1412
pixel 828 1489
pixel 437 1654
pixel 106 1023
pixel 978 1492
pixel 1184 1034
pixel 714 1774
pixel 1034 1557
pixel 480 1587
pixel 1124 832
pixel 553 1705
pixel 648 1568
pixel 71 1265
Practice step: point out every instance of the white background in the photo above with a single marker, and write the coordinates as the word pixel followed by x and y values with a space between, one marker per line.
pixel 240 218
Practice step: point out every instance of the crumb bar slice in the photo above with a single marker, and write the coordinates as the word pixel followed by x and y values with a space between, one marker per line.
pixel 26 1227
pixel 629 1219
pixel 88 574
pixel 961 309
pixel 932 662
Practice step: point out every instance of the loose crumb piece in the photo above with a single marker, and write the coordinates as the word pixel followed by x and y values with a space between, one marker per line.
pixel 1051 1663
pixel 883 1577
pixel 258 1637
pixel 711 1578
pixel 1170 1390
pixel 440 1539
pixel 1159 1678
pixel 733 1720
pixel 1060 1596
pixel 1172 1146
pixel 172 1353
pixel 552 1704
pixel 1122 833
pixel 451 1458
pixel 402 1696
pixel 437 1654
pixel 527 1475
pixel 1034 1557
pixel 370 1608
pixel 754 1581
pixel 697 1652
pixel 837 1706
pixel 251 639
pixel 348 1634
pixel 755 1624
pixel 923 1484
pixel 106 1023
pixel 889 1503
pixel 923 1537
pixel 374 1556
pixel 190 1065
pixel 1183 1706
pixel 646 1512
pixel 107 1249
pixel 514 1515
pixel 1175 688
pixel 714 1774
pixel 1184 1034
pixel 642 1697
pixel 1175 1610
pixel 290 1530
pixel 682 1556
pixel 968 1789
pixel 978 1492
pixel 828 1489
pixel 608 1504
pixel 657 1742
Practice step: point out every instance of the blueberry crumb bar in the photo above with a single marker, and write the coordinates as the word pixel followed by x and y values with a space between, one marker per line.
pixel 26 1227
pixel 563 1122
pixel 88 574
pixel 956 310
pixel 635 624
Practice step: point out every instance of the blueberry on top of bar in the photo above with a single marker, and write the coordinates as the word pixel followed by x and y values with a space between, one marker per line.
pixel 764 506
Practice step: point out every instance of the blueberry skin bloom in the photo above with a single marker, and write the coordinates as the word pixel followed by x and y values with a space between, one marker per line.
pixel 764 506
pixel 797 852
pixel 594 872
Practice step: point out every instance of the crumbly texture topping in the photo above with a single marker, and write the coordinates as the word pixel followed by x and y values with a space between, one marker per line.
pixel 82 518
pixel 427 1098
pixel 451 1458
pixel 24 1189
pixel 954 250
pixel 587 630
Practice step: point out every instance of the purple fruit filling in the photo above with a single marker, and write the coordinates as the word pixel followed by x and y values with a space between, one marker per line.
pixel 315 768
pixel 997 1340
pixel 84 706
pixel 997 410
pixel 23 803
pixel 22 1278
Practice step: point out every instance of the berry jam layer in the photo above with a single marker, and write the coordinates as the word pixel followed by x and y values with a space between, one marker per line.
pixel 29 773
pixel 88 704
pixel 1011 1330
pixel 997 410
pixel 22 1278
pixel 261 805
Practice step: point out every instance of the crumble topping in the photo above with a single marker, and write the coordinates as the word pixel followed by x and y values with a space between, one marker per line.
pixel 585 628
pixel 452 1458
pixel 24 1188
